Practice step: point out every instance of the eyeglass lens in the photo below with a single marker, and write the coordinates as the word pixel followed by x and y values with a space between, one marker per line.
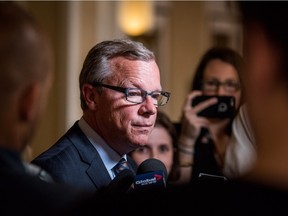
pixel 213 85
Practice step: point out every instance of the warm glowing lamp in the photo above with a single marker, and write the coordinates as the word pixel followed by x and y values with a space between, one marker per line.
pixel 136 17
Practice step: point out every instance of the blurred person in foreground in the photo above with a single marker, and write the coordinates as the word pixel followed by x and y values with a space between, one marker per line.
pixel 266 53
pixel 120 92
pixel 25 79
pixel 162 145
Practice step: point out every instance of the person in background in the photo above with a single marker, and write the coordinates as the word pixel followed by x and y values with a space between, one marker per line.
pixel 263 190
pixel 120 92
pixel 162 145
pixel 203 140
pixel 25 78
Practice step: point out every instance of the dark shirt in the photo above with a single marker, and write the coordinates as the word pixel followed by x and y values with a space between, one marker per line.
pixel 204 160
pixel 204 157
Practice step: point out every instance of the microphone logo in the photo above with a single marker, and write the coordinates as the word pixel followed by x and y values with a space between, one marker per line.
pixel 152 179
pixel 158 177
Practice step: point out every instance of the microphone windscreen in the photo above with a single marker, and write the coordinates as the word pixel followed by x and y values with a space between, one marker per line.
pixel 152 165
pixel 121 183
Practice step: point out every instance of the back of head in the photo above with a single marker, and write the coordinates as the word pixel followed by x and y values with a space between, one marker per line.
pixel 25 74
pixel 272 18
pixel 24 56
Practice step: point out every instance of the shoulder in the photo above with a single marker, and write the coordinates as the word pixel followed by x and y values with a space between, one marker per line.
pixel 33 195
pixel 38 172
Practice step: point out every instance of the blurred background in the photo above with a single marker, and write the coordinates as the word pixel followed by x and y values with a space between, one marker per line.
pixel 179 32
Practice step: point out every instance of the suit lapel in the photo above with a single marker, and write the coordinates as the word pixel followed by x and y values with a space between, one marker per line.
pixel 97 171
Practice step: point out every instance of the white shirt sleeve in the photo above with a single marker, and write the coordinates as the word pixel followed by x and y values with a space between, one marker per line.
pixel 241 151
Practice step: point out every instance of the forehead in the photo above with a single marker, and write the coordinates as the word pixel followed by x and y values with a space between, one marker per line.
pixel 140 73
pixel 220 69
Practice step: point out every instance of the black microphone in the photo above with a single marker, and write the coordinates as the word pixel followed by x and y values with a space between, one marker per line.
pixel 151 176
pixel 121 183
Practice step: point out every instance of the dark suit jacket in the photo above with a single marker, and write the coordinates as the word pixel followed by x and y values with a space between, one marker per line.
pixel 24 194
pixel 74 161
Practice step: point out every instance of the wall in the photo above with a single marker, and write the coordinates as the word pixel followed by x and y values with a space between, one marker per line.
pixel 189 39
pixel 75 26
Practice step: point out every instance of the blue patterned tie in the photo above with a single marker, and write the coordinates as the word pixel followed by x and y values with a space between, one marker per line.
pixel 121 165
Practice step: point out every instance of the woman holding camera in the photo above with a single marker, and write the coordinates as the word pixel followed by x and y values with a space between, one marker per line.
pixel 205 134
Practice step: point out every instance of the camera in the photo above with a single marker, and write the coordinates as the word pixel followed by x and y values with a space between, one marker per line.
pixel 210 177
pixel 224 108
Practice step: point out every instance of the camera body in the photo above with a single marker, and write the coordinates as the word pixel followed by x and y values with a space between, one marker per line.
pixel 224 108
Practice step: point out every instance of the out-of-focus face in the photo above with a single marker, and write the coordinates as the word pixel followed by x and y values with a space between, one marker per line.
pixel 218 71
pixel 126 126
pixel 264 101
pixel 41 89
pixel 159 146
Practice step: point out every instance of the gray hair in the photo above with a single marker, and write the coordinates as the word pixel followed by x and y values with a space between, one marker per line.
pixel 96 66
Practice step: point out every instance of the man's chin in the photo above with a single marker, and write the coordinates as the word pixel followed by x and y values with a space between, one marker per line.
pixel 140 140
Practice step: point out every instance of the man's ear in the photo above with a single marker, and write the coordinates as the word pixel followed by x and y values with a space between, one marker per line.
pixel 89 96
pixel 30 102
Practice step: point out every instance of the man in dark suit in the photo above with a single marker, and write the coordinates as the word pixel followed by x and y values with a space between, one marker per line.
pixel 25 78
pixel 120 92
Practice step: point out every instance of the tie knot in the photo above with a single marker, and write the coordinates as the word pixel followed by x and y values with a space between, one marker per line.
pixel 121 165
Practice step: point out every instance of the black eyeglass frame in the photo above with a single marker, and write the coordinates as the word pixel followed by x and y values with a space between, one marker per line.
pixel 217 84
pixel 126 91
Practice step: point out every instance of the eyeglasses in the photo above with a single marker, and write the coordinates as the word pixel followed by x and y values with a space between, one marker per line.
pixel 213 85
pixel 136 95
